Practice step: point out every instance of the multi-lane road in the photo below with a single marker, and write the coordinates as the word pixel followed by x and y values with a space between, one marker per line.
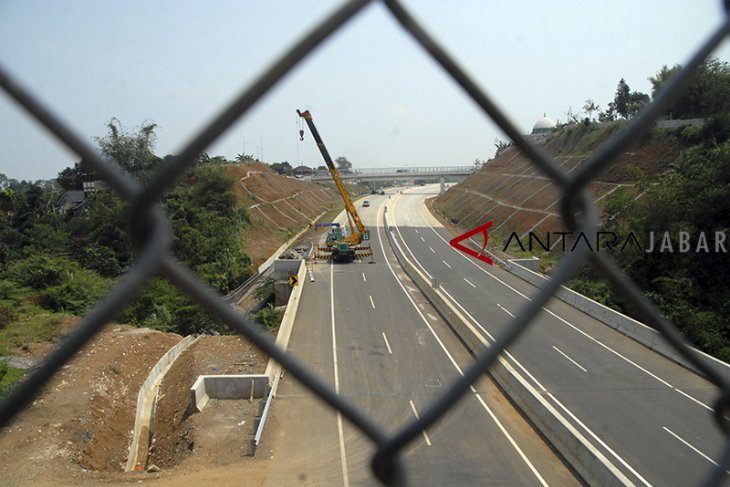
pixel 366 330
pixel 649 416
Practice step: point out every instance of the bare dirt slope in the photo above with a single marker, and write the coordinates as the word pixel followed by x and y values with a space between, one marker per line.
pixel 518 197
pixel 78 431
pixel 83 419
pixel 278 206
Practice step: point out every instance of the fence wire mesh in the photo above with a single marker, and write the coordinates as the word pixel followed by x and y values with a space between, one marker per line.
pixel 150 231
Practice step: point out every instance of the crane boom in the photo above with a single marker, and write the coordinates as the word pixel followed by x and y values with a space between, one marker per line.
pixel 358 232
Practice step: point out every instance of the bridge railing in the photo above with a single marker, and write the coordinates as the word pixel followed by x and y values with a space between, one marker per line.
pixel 417 170
pixel 405 172
pixel 150 228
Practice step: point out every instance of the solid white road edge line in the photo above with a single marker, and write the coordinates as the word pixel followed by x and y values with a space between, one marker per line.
pixel 514 445
pixel 690 446
pixel 599 440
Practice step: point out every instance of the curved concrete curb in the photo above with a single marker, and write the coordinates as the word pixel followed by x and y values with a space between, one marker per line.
pixel 146 399
pixel 586 460
pixel 636 330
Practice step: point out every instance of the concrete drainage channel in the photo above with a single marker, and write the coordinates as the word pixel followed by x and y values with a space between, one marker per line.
pixel 206 387
pixel 146 400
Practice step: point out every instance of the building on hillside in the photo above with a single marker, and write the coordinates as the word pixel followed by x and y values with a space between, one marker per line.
pixel 70 202
pixel 542 129
pixel 93 186
pixel 543 125
pixel 75 200
pixel 303 171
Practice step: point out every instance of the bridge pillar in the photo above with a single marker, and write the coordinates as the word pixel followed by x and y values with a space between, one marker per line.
pixel 443 185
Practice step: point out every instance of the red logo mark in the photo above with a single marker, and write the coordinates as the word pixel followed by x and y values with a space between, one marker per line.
pixel 481 228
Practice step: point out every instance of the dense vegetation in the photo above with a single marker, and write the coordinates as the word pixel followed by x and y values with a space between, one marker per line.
pixel 692 288
pixel 53 265
pixel 691 196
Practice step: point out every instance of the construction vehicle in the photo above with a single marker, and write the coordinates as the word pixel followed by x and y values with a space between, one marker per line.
pixel 340 246
pixel 334 234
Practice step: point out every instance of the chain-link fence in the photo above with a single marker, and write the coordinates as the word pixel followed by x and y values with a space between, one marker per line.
pixel 150 231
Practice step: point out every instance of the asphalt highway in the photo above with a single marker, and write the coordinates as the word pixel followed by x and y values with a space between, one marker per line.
pixel 649 416
pixel 366 330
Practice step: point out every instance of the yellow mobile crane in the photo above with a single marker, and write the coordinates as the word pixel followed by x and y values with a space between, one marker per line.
pixel 343 247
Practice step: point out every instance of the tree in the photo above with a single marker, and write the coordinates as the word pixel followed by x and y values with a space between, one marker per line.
pixel 609 115
pixel 637 102
pixel 627 103
pixel 343 164
pixel 622 98
pixel 73 178
pixel 282 168
pixel 590 108
pixel 133 151
pixel 572 116
pixel 662 76
pixel 218 160
pixel 244 158
pixel 707 94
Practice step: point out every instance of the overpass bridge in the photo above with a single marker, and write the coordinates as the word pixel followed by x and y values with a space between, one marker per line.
pixel 386 174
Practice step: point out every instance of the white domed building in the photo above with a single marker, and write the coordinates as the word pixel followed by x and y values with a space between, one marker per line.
pixel 542 129
pixel 543 125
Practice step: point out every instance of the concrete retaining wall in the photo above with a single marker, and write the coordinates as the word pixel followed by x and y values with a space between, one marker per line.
pixel 533 264
pixel 206 387
pixel 628 326
pixel 146 400
pixel 675 124
pixel 588 462
pixel 287 322
pixel 254 386
pixel 273 369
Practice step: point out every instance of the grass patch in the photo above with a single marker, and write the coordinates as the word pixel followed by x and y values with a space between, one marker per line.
pixel 9 376
pixel 270 317
pixel 33 324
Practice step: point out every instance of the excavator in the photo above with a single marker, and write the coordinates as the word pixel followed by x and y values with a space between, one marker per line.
pixel 340 246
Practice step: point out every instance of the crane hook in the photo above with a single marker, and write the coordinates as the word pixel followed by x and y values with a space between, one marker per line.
pixel 301 134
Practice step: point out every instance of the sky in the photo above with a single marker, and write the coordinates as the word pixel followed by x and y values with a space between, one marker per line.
pixel 375 96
